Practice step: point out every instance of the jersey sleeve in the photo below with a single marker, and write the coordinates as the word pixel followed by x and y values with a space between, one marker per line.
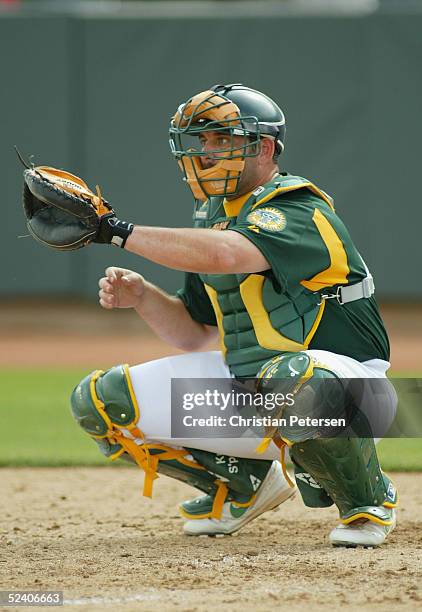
pixel 284 230
pixel 196 300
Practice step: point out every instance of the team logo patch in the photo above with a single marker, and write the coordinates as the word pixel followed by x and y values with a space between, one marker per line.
pixel 268 218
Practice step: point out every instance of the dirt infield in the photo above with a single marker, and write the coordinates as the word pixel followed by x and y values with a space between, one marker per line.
pixel 46 334
pixel 89 533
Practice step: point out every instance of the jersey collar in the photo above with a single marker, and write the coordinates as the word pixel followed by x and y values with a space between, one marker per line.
pixel 233 207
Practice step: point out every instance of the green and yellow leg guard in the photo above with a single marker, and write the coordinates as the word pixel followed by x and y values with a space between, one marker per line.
pixel 313 495
pixel 347 469
pixel 105 406
pixel 341 470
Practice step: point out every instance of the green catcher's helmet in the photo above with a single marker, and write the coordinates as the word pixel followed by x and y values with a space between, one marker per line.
pixel 234 110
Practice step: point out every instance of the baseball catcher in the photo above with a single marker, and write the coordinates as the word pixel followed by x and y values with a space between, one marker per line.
pixel 272 271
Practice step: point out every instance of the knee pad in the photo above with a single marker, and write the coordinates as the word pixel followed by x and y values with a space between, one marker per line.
pixel 310 391
pixel 104 402
pixel 104 405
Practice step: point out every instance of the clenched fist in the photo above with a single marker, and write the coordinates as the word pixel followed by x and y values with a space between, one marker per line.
pixel 120 288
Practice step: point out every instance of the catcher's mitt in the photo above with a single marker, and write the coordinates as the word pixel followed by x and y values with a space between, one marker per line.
pixel 61 211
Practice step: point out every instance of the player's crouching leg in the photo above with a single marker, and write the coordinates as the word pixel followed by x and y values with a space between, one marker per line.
pixel 236 490
pixel 342 469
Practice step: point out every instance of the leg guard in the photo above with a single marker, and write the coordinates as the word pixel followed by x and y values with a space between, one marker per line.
pixel 105 406
pixel 343 470
pixel 313 495
pixel 348 471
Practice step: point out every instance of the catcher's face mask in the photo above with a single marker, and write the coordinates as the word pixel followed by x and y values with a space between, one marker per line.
pixel 215 171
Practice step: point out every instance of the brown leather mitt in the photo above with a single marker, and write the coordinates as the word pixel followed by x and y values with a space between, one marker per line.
pixel 61 211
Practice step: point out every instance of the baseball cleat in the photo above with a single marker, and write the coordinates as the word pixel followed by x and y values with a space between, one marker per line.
pixel 366 534
pixel 274 490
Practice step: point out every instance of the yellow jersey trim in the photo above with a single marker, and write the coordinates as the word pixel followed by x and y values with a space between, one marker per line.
pixel 233 207
pixel 288 188
pixel 338 270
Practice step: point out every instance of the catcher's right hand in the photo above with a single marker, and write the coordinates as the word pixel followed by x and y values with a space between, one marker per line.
pixel 120 288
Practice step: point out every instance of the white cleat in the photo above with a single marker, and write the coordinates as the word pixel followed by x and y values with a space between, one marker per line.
pixel 367 534
pixel 274 491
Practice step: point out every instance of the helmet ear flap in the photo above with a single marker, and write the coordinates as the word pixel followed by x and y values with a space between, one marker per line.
pixel 279 148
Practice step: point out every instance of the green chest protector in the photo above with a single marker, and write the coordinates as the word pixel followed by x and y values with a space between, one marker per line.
pixel 257 320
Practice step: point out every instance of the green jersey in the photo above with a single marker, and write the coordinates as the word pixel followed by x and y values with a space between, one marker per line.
pixel 311 254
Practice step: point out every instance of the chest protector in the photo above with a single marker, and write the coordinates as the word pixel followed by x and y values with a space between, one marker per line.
pixel 258 319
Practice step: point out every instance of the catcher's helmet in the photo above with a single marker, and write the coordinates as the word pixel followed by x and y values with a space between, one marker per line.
pixel 235 110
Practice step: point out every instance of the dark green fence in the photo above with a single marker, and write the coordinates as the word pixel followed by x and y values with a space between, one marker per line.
pixel 94 94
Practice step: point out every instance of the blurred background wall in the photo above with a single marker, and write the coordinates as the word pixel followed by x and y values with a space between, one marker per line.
pixel 90 87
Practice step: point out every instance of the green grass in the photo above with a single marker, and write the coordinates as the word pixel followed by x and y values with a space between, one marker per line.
pixel 36 426
pixel 401 454
pixel 37 429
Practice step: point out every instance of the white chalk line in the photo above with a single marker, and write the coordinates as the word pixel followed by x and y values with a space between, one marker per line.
pixel 147 596
pixel 154 596
pixel 109 601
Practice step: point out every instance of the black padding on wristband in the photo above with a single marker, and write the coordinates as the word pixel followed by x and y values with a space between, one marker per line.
pixel 114 231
